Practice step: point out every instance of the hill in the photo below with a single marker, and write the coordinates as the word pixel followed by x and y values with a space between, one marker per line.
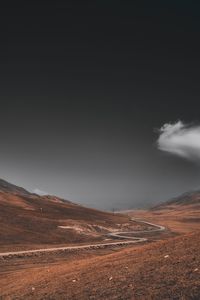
pixel 11 188
pixel 188 198
pixel 180 214
pixel 28 220
pixel 165 267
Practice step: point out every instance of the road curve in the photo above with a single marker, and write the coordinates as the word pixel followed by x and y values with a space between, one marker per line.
pixel 119 235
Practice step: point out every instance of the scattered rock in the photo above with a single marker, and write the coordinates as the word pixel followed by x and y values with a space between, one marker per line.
pixel 110 278
pixel 166 256
pixel 74 280
pixel 33 289
pixel 195 270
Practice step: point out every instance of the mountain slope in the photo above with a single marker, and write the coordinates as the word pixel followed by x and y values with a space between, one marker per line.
pixel 11 188
pixel 30 220
pixel 188 198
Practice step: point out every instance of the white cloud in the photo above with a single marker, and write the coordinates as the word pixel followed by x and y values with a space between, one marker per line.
pixel 39 192
pixel 180 139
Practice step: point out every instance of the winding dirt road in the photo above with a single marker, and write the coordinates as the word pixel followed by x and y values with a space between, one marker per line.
pixel 118 235
pixel 122 235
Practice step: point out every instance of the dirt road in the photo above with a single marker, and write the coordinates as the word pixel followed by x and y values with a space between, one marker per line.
pixel 119 235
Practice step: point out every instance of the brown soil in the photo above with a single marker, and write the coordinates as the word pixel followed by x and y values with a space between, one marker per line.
pixel 162 270
pixel 177 218
pixel 157 270
pixel 30 221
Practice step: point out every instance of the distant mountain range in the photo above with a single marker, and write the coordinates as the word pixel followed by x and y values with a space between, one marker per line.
pixel 188 198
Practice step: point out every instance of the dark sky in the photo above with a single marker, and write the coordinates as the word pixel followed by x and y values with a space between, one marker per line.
pixel 83 87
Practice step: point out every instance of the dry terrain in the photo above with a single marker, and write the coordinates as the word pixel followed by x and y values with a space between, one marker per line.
pixel 167 269
pixel 166 266
pixel 29 221
pixel 176 215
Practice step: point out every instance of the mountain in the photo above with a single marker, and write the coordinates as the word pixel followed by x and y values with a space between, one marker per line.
pixel 11 188
pixel 28 220
pixel 188 198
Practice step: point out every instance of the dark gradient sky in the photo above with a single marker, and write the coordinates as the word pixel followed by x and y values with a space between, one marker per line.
pixel 83 87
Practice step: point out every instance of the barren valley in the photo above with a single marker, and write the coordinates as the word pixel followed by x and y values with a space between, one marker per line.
pixel 139 254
